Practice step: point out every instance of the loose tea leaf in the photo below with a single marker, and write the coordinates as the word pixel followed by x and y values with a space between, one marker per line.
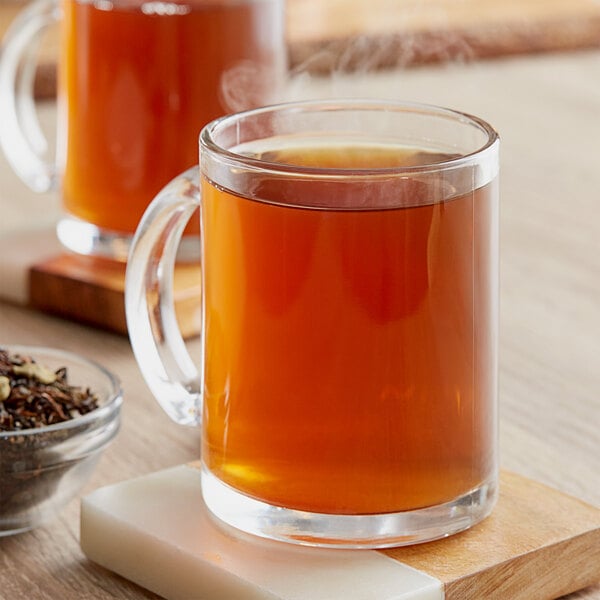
pixel 31 395
pixel 31 465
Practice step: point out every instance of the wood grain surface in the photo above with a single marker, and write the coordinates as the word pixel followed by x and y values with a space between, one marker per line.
pixel 537 543
pixel 92 290
pixel 546 109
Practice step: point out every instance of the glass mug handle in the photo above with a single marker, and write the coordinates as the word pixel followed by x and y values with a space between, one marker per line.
pixel 21 138
pixel 155 338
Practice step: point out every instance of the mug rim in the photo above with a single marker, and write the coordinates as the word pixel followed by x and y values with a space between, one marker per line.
pixel 207 137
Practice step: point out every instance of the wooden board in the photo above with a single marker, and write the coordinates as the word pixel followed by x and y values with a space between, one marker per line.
pixel 342 35
pixel 92 290
pixel 537 544
pixel 368 34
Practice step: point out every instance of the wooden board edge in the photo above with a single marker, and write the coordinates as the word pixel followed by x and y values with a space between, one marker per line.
pixel 100 272
pixel 82 301
pixel 92 291
pixel 373 51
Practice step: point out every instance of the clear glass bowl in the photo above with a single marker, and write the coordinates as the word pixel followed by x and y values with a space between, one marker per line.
pixel 42 469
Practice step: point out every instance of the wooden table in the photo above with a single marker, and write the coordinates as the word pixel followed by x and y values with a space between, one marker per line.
pixel 547 109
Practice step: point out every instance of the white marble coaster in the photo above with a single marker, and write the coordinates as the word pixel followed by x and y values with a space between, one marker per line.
pixel 156 531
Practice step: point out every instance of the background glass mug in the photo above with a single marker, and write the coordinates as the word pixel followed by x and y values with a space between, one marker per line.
pixel 136 82
pixel 347 382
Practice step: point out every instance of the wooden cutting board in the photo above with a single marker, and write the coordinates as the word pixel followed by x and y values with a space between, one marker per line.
pixel 332 35
pixel 155 530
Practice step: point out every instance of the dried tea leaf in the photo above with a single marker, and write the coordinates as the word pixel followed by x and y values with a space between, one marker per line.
pixel 34 396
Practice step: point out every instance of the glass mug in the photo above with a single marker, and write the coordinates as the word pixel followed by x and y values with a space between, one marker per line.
pixel 347 384
pixel 136 82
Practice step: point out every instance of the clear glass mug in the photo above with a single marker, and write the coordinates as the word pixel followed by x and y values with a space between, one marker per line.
pixel 136 82
pixel 347 384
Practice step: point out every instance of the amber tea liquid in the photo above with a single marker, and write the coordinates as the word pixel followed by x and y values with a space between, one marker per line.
pixel 138 81
pixel 349 359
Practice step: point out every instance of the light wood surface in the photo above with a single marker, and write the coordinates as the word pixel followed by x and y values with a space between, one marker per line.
pixel 547 110
pixel 537 543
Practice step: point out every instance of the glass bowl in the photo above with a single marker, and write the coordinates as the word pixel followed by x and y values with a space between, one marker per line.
pixel 42 469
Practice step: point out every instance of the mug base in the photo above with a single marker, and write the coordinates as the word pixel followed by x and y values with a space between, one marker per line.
pixel 84 238
pixel 347 531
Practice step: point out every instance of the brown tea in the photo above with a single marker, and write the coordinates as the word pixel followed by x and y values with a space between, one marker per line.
pixel 349 361
pixel 139 81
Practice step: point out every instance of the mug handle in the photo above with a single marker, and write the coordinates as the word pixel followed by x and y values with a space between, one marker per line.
pixel 21 137
pixel 155 337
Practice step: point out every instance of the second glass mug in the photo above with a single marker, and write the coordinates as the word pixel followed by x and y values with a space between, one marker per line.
pixel 132 76
pixel 347 384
